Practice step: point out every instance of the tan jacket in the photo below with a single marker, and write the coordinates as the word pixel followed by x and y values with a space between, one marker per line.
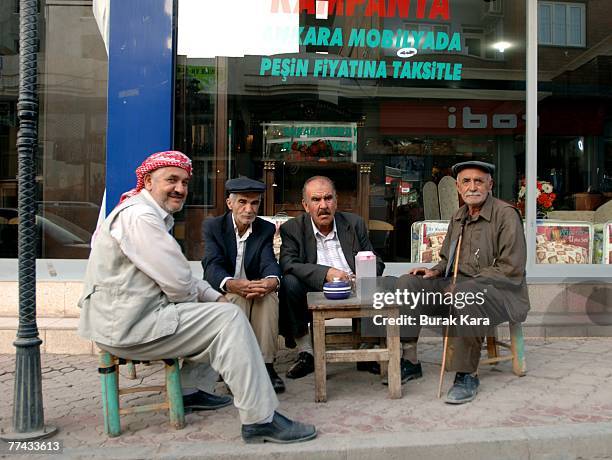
pixel 121 306
pixel 493 251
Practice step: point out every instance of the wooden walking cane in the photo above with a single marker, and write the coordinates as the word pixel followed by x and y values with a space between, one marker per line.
pixel 455 268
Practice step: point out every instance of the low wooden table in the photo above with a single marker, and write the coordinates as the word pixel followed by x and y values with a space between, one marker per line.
pixel 353 307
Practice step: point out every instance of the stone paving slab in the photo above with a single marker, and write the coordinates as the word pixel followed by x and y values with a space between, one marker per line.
pixel 568 384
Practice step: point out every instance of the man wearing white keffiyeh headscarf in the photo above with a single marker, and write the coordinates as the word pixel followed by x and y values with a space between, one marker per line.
pixel 141 301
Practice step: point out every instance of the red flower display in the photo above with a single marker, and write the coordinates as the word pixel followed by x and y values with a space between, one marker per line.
pixel 545 197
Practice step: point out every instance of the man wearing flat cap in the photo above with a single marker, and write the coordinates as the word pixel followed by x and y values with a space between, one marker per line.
pixel 491 285
pixel 142 302
pixel 239 261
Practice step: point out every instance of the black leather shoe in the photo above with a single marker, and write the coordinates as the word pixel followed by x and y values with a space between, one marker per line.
pixel 280 430
pixel 370 366
pixel 201 400
pixel 304 365
pixel 409 372
pixel 464 389
pixel 277 382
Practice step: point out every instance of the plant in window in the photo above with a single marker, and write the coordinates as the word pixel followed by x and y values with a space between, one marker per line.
pixel 545 197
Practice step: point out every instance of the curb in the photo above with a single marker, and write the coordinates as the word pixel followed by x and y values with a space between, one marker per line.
pixel 584 441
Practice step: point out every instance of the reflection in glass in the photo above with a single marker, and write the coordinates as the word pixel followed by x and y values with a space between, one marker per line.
pixel 72 129
pixel 444 88
pixel 575 128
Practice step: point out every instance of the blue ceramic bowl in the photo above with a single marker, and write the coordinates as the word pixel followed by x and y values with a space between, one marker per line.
pixel 337 295
pixel 337 284
pixel 337 290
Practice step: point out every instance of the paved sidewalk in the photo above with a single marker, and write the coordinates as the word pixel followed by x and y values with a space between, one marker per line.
pixel 567 393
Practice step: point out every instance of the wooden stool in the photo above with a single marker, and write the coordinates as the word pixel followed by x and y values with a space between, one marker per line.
pixel 389 357
pixel 516 346
pixel 109 378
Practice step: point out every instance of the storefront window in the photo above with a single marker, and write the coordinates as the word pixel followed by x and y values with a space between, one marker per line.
pixel 9 87
pixel 574 134
pixel 194 134
pixel 383 97
pixel 70 176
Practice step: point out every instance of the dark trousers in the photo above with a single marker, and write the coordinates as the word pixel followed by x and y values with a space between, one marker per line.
pixel 465 340
pixel 293 308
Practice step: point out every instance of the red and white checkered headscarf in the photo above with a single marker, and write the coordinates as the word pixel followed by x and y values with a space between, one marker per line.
pixel 156 161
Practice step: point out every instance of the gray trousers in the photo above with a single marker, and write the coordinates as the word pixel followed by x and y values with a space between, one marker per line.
pixel 219 334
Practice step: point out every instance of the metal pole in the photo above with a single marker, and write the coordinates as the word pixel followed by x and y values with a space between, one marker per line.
pixel 28 415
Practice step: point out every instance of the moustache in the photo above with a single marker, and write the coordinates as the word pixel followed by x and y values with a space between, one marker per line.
pixel 176 195
pixel 324 213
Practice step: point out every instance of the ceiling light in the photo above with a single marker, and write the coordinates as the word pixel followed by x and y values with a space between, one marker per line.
pixel 501 46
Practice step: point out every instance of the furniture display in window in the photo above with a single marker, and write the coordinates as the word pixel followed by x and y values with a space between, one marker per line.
pixel 310 141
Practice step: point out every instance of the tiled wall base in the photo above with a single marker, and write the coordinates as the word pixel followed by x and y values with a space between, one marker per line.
pixel 558 310
pixel 58 336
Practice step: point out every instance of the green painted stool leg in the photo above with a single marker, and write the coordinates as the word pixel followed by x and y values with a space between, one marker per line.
pixel 174 393
pixel 110 394
pixel 517 345
pixel 131 370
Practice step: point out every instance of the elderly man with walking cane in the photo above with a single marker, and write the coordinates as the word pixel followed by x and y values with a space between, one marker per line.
pixel 478 283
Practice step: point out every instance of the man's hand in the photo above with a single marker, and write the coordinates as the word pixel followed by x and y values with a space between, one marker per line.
pixel 240 287
pixel 335 273
pixel 260 288
pixel 424 272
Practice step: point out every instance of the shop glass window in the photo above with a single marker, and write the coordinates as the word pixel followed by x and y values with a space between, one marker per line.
pixel 493 7
pixel 423 29
pixel 354 96
pixel 70 176
pixel 474 39
pixel 574 203
pixel 562 24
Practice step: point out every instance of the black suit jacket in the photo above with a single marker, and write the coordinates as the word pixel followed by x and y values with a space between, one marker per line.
pixel 220 250
pixel 298 254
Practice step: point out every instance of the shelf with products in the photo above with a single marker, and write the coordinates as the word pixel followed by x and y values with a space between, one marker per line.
pixel 310 141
